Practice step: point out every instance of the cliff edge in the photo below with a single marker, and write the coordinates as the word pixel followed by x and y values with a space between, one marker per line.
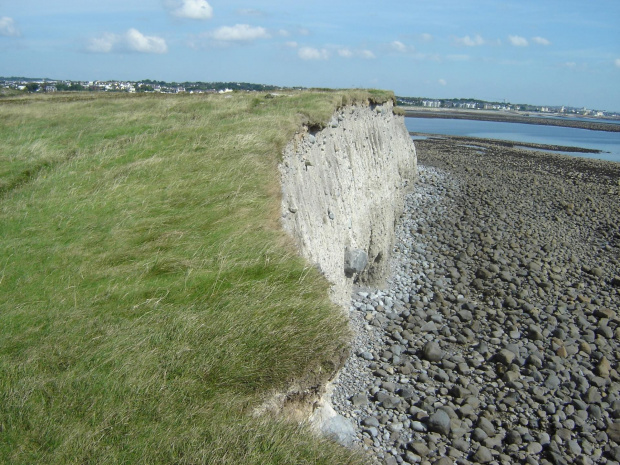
pixel 342 192
pixel 343 189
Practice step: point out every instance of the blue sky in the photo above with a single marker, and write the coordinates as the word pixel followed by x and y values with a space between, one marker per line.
pixel 547 52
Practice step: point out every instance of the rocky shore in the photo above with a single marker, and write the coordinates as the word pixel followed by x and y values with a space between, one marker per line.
pixel 496 337
pixel 484 143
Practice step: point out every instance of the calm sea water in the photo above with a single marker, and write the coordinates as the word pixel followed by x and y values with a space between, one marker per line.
pixel 607 142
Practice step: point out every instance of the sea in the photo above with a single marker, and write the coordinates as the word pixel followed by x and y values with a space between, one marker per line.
pixel 607 142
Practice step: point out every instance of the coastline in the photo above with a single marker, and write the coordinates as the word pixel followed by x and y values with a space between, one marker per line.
pixel 446 147
pixel 481 115
pixel 483 142
pixel 496 338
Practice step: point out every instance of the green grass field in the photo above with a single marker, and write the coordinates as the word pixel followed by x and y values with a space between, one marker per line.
pixel 149 301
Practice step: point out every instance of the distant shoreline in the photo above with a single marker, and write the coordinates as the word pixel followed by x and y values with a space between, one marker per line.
pixel 510 118
pixel 508 144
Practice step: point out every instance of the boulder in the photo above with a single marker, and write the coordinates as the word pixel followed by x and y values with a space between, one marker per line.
pixel 355 261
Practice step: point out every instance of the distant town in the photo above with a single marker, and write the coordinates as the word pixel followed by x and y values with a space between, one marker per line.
pixel 474 104
pixel 12 85
pixel 49 85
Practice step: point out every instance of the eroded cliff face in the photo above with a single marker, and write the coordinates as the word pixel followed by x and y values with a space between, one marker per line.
pixel 342 191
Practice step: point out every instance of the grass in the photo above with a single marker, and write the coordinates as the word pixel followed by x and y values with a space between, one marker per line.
pixel 149 301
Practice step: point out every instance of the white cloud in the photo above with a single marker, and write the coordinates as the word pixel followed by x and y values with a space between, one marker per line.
pixel 570 64
pixel 138 42
pixel 470 41
pixel 284 33
pixel 103 44
pixel 133 40
pixel 518 41
pixel 617 62
pixel 310 53
pixel 292 44
pixel 443 82
pixel 345 53
pixel 398 46
pixel 239 33
pixel 8 28
pixel 192 9
pixel 427 37
pixel 541 41
pixel 367 54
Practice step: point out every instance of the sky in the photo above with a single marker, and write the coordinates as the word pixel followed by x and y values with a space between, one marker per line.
pixel 542 52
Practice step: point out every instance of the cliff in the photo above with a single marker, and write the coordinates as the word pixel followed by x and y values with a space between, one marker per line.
pixel 342 191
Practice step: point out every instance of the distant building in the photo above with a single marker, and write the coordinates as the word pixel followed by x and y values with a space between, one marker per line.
pixel 431 103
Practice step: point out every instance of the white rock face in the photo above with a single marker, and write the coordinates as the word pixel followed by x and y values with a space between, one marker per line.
pixel 342 191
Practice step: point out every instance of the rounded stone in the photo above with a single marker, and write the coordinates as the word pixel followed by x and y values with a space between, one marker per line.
pixel 534 448
pixel 419 448
pixel 439 422
pixel 483 455
pixel 513 437
pixel 479 435
pixel 432 352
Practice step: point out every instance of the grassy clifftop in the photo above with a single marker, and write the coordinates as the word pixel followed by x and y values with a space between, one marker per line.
pixel 148 299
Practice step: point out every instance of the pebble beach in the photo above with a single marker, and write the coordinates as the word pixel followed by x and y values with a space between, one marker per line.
pixel 495 339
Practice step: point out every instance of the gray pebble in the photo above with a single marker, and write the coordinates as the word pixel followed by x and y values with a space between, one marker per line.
pixel 483 455
pixel 494 320
pixel 439 422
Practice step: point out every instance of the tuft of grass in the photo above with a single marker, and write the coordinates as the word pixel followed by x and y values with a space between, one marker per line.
pixel 149 301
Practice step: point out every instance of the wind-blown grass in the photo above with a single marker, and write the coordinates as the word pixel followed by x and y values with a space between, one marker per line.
pixel 149 301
